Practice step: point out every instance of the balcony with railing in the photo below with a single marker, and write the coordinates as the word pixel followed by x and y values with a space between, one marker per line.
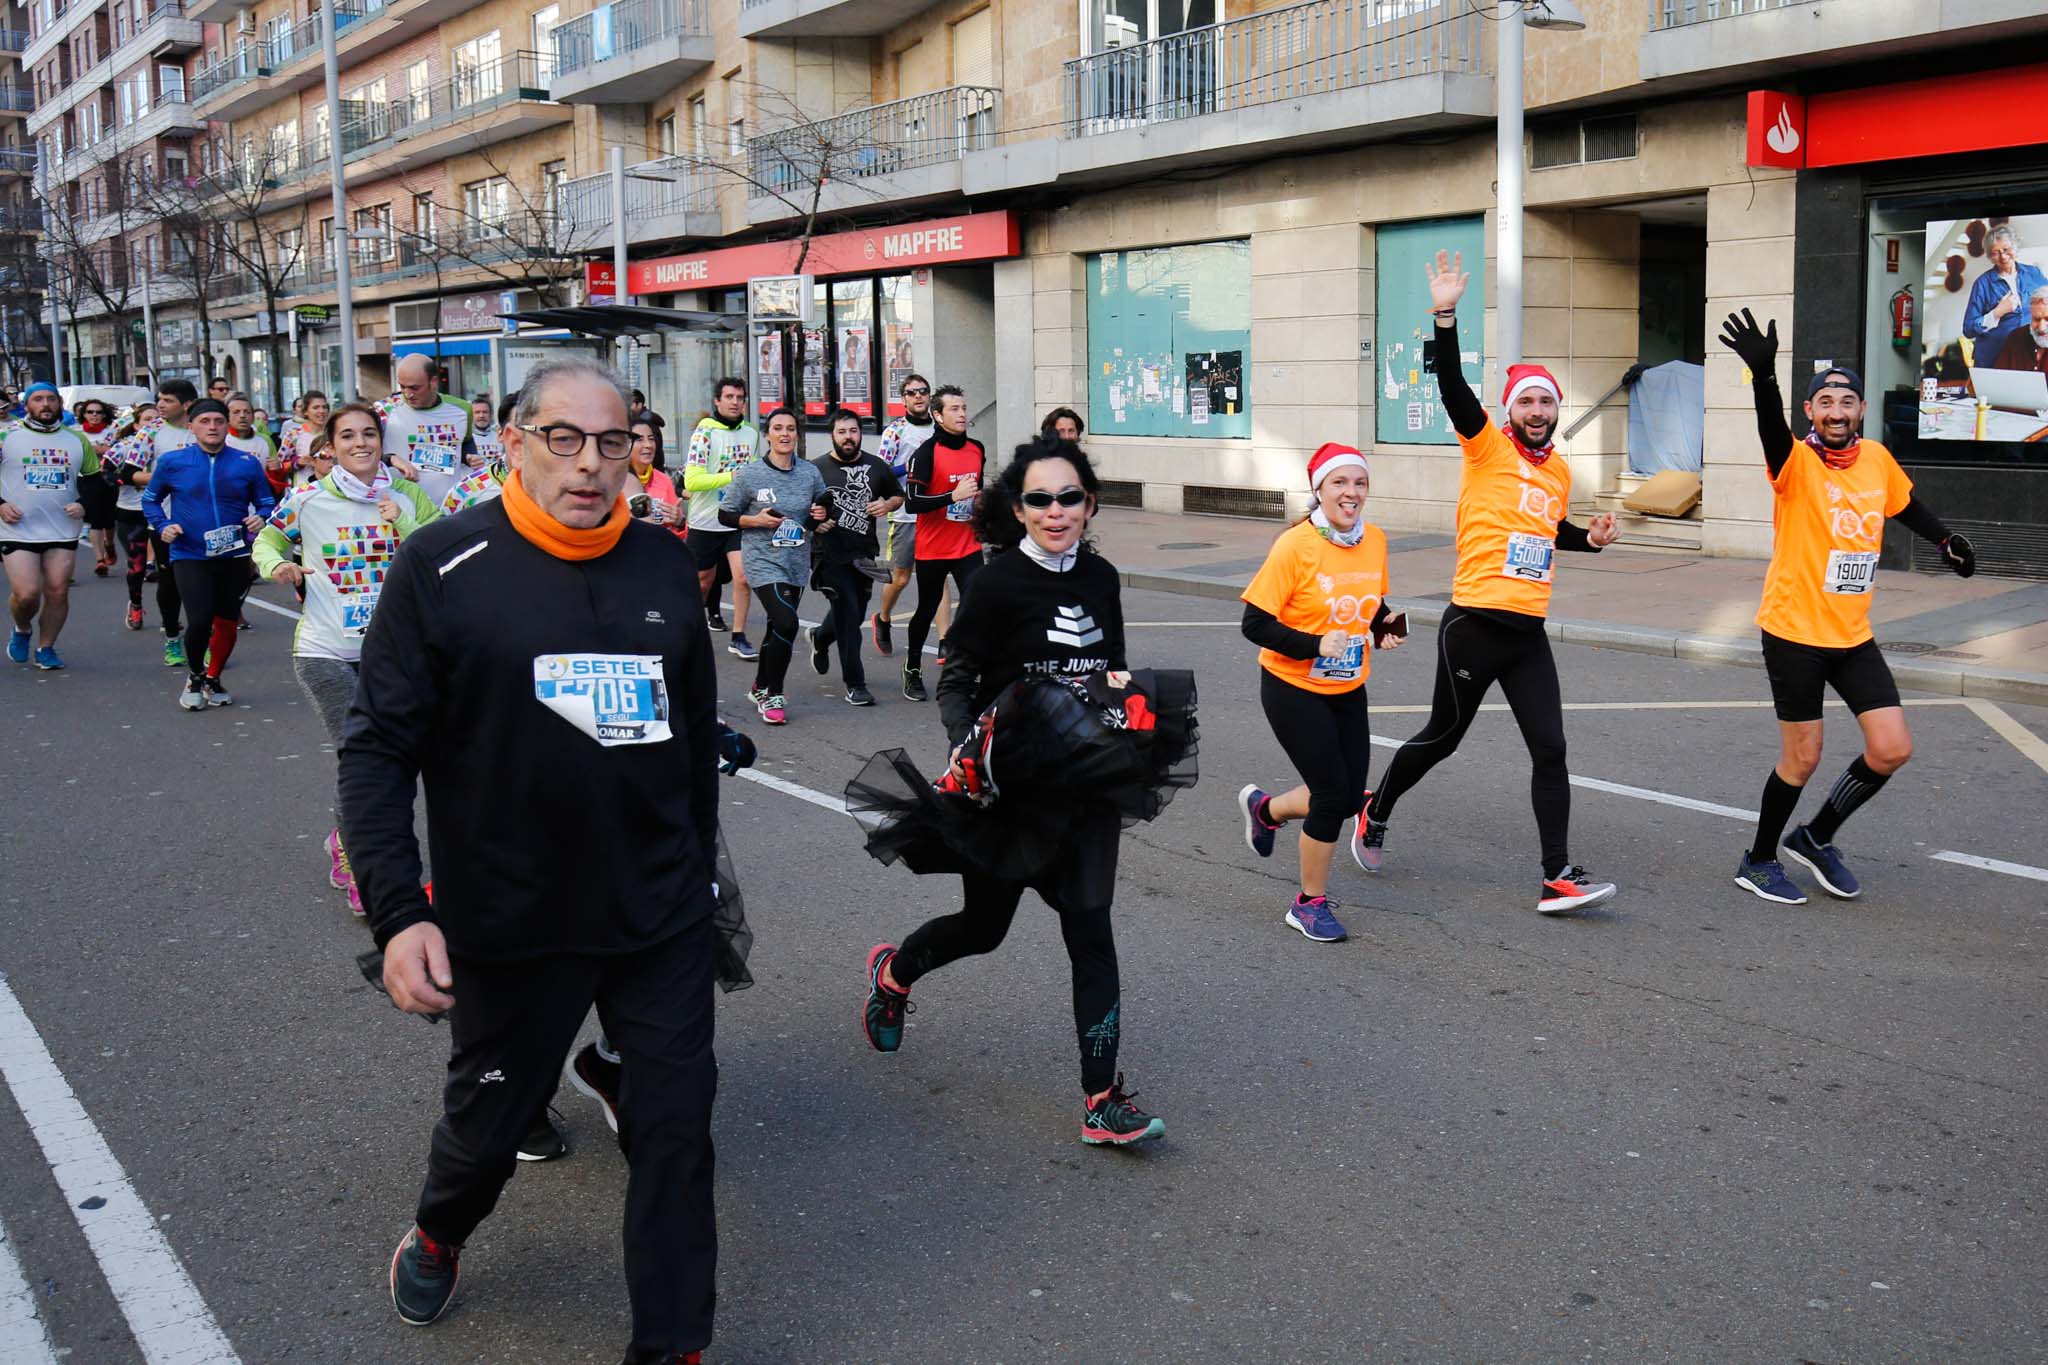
pixel 230 72
pixel 14 41
pixel 904 150
pixel 16 99
pixel 629 51
pixel 164 29
pixel 670 197
pixel 825 18
pixel 21 218
pixel 1694 43
pixel 288 60
pixel 18 161
pixel 1323 73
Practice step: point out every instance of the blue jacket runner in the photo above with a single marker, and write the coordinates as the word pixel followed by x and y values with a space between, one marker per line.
pixel 210 495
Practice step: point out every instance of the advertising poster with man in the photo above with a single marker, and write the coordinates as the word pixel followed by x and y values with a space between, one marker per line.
pixel 1984 329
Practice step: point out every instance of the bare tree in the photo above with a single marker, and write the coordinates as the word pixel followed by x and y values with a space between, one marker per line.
pixel 194 260
pixel 90 262
pixel 263 245
pixel 531 244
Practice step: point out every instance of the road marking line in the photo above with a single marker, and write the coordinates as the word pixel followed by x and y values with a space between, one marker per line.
pixel 1639 793
pixel 2016 734
pixel 788 788
pixel 171 1322
pixel 23 1337
pixel 255 601
pixel 1670 705
pixel 2038 874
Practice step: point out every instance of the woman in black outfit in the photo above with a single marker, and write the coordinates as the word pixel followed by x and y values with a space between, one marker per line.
pixel 1055 748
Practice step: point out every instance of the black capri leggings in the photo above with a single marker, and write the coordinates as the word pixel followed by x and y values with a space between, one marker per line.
pixel 931 590
pixel 1328 739
pixel 779 601
pixel 1473 651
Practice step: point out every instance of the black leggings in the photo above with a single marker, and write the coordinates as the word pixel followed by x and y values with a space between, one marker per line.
pixel 132 530
pixel 779 601
pixel 1328 739
pixel 212 590
pixel 931 590
pixel 1472 652
pixel 988 905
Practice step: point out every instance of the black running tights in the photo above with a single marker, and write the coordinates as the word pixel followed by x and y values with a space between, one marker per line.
pixel 1328 738
pixel 779 601
pixel 989 904
pixel 1473 651
pixel 931 590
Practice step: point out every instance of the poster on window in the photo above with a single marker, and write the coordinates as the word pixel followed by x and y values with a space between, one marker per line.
pixel 1983 343
pixel 814 372
pixel 856 369
pixel 768 370
pixel 1169 329
pixel 901 362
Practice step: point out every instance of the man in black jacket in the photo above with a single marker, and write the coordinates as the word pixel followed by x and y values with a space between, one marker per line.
pixel 541 663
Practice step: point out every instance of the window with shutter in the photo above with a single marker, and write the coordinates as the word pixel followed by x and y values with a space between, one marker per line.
pixel 973 50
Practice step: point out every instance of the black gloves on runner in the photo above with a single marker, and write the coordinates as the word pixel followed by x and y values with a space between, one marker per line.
pixel 735 750
pixel 1963 559
pixel 1758 349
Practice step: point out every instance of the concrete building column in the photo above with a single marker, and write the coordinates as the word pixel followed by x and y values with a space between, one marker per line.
pixel 1580 303
pixel 1312 304
pixel 1750 255
pixel 1013 352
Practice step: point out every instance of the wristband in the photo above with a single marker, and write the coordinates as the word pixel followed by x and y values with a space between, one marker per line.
pixel 1442 313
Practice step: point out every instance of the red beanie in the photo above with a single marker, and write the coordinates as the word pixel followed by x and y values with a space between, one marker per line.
pixel 1529 377
pixel 1329 456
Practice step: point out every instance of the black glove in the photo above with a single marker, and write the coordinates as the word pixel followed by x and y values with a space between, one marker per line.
pixel 1956 550
pixel 1758 349
pixel 735 750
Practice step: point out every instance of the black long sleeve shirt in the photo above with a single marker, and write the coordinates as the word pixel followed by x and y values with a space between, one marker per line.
pixel 563 718
pixel 1017 617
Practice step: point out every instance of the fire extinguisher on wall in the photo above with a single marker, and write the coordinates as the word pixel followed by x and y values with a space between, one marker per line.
pixel 1902 319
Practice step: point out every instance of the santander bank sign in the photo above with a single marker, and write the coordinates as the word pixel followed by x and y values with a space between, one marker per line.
pixel 1776 129
pixel 938 241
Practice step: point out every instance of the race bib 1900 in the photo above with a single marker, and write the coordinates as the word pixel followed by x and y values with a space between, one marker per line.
pixel 1850 572
pixel 613 698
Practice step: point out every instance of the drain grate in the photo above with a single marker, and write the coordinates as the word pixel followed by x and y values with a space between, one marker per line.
pixel 1908 647
pixel 1121 493
pixel 1190 545
pixel 1267 503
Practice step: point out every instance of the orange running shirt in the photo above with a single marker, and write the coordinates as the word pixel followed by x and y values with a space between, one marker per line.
pixel 1508 510
pixel 1830 526
pixel 1310 584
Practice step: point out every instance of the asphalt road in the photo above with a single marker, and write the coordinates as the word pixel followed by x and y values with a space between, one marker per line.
pixel 1688 1127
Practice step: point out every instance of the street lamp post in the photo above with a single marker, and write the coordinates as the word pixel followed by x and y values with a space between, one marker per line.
pixel 339 243
pixel 619 176
pixel 1560 15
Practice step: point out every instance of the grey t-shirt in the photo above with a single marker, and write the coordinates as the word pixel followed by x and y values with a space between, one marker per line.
pixel 782 555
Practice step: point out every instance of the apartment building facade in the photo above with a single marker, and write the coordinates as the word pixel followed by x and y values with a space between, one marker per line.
pixel 24 276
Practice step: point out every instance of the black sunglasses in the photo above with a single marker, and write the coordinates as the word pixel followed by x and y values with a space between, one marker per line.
pixel 1067 497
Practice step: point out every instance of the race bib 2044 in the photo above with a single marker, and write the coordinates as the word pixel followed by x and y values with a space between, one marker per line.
pixel 613 698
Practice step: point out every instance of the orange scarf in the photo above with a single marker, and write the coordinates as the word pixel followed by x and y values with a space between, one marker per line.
pixel 563 542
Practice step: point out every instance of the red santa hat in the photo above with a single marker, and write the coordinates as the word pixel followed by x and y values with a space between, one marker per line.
pixel 1331 456
pixel 1522 377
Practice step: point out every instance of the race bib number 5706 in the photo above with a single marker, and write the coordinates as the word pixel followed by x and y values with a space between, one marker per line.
pixel 613 698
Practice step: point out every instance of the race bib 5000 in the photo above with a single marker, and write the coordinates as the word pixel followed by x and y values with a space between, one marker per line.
pixel 613 698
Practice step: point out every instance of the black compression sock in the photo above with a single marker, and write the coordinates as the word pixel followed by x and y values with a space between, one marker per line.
pixel 1781 798
pixel 1851 790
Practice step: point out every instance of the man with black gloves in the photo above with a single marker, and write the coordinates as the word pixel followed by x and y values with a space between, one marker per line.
pixel 1834 491
pixel 545 655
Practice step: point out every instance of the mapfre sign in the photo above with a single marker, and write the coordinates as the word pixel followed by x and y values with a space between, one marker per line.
pixel 938 241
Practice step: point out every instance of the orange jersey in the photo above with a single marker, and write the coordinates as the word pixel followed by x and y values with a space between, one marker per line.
pixel 1508 510
pixel 1830 527
pixel 1311 584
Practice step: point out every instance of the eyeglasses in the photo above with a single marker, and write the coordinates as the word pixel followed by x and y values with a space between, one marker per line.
pixel 1039 499
pixel 568 440
pixel 917 393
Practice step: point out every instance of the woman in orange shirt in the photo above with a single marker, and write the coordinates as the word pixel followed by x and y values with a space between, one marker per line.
pixel 1317 609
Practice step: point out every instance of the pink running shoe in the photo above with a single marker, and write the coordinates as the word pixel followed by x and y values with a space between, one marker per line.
pixel 355 897
pixel 338 875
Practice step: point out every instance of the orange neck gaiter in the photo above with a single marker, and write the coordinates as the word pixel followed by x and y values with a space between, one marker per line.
pixel 563 542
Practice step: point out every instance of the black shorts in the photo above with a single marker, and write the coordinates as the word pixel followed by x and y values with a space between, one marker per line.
pixel 36 547
pixel 97 497
pixel 709 548
pixel 1801 673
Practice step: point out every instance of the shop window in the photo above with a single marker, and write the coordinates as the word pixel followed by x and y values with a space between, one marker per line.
pixel 1169 341
pixel 1408 407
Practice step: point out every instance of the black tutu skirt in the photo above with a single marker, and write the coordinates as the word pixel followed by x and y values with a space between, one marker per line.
pixel 1057 764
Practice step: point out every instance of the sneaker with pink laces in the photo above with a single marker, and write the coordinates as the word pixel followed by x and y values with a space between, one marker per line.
pixel 338 875
pixel 772 712
pixel 355 897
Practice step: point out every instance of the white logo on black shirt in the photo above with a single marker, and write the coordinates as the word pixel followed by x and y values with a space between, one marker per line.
pixel 1073 627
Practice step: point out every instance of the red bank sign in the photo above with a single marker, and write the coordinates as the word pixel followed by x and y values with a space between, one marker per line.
pixel 937 241
pixel 599 281
pixel 1894 122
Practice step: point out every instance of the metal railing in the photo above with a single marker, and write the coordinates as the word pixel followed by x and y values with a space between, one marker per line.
pixel 1279 54
pixel 303 38
pixel 470 91
pixel 621 27
pixel 584 204
pixel 233 69
pixel 18 161
pixel 25 218
pixel 19 99
pixel 1679 13
pixel 880 139
pixel 14 40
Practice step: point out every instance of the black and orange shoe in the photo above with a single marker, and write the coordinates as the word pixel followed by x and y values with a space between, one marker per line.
pixel 881 1019
pixel 423 1275
pixel 598 1078
pixel 1112 1120
pixel 1571 890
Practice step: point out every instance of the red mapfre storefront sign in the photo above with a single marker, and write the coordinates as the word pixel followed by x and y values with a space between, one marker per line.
pixel 937 241
pixel 1935 117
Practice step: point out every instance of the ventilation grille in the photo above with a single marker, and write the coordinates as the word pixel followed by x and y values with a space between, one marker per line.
pixel 1121 493
pixel 1267 503
pixel 1595 139
pixel 2004 549
pixel 410 318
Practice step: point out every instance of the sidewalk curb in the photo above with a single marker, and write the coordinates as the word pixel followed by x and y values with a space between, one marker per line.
pixel 1991 684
